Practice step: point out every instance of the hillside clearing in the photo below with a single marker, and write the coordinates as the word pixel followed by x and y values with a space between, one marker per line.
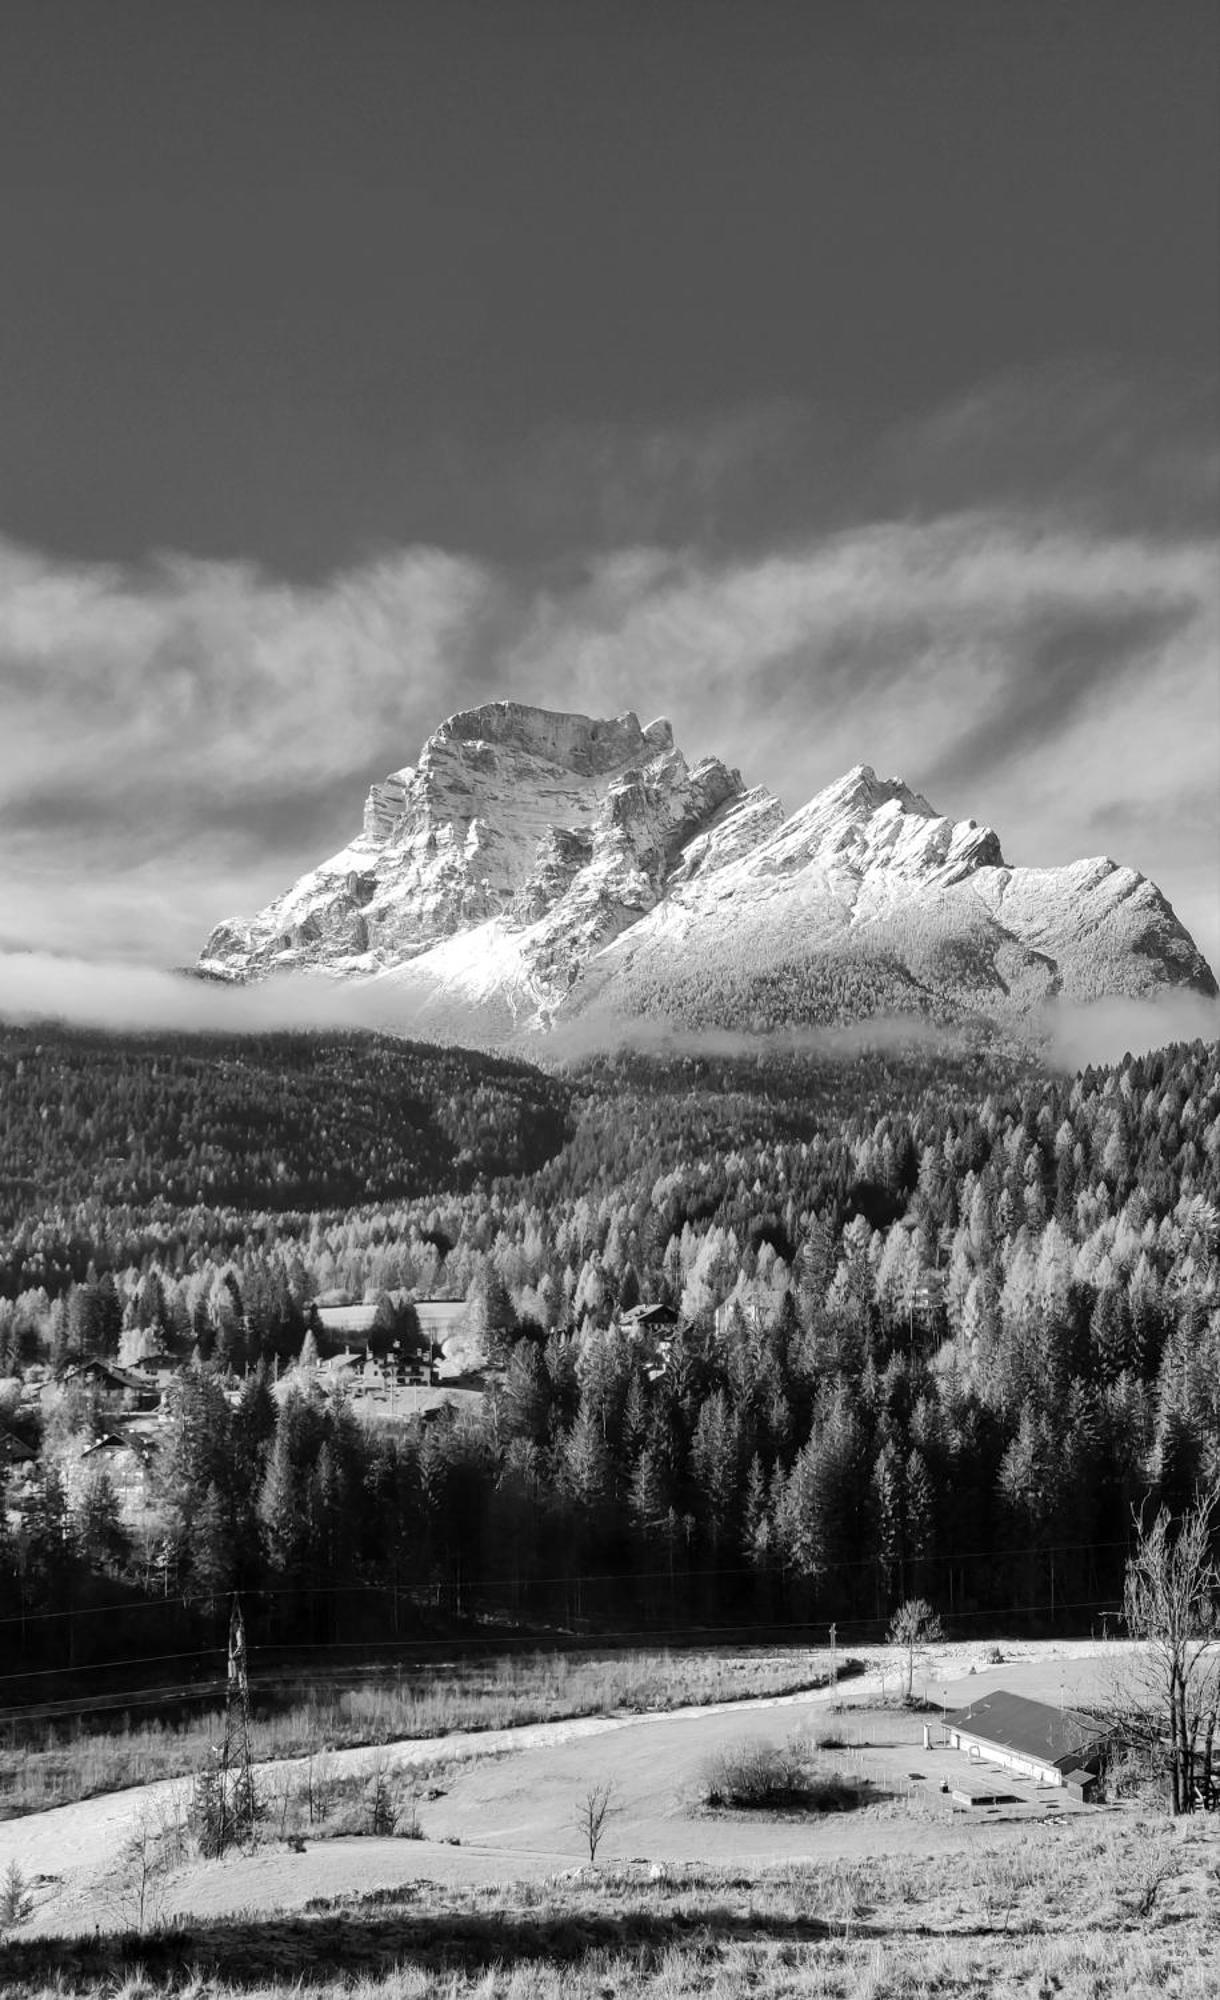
pixel 503 1816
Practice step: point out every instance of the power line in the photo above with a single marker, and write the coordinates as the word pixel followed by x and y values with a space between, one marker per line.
pixel 650 1637
pixel 104 1666
pixel 307 1587
pixel 539 1643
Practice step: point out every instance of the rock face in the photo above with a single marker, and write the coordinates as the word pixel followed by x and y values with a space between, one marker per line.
pixel 535 866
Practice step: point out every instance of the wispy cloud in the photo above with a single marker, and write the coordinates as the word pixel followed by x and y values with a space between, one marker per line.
pixel 112 994
pixel 181 738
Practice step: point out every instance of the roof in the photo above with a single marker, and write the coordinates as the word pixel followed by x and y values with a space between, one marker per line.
pixel 440 1312
pixel 13 1449
pixel 656 1315
pixel 1031 1728
pixel 95 1365
pixel 347 1319
pixel 111 1441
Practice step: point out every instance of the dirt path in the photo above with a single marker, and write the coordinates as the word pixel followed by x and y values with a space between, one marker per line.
pixel 515 1815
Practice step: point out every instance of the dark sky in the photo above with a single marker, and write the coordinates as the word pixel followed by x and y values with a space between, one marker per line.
pixel 836 377
pixel 299 280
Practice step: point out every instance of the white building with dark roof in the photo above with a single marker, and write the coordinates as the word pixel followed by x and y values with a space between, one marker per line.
pixel 1031 1739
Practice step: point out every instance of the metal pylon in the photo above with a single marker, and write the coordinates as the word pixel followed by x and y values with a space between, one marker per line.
pixel 237 1802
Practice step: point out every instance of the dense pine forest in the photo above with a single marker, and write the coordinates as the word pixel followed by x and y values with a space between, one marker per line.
pixel 268 1121
pixel 934 1322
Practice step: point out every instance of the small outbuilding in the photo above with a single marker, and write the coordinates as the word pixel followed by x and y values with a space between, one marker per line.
pixel 1033 1740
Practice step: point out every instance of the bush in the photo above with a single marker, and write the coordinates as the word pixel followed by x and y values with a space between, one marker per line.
pixel 16 1903
pixel 753 1777
pixel 383 1808
pixel 750 1774
pixel 832 1792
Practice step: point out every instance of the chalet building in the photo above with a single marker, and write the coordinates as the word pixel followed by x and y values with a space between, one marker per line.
pixel 119 1388
pixel 648 1319
pixel 1052 1746
pixel 128 1460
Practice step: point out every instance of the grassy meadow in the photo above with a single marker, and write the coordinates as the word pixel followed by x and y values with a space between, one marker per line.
pixel 55 1763
pixel 1115 1906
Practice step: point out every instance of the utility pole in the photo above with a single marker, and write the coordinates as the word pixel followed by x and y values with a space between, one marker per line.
pixel 834 1666
pixel 240 1821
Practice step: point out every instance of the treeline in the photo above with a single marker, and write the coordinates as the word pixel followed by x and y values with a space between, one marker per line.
pixel 937 1330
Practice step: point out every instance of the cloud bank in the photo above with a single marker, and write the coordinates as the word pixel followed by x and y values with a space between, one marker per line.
pixel 37 987
pixel 1033 645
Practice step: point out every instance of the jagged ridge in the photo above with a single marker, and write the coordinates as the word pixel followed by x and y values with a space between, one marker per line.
pixel 533 865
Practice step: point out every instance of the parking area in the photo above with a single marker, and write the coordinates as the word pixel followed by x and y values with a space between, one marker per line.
pixel 887 1747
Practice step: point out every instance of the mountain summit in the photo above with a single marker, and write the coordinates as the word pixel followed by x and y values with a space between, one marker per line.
pixel 533 865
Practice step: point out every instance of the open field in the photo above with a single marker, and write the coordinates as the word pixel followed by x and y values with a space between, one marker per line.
pixel 56 1763
pixel 497 1806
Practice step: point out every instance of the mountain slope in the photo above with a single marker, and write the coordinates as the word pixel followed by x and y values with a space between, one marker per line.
pixel 534 867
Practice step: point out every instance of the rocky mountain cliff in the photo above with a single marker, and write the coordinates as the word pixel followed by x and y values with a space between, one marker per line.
pixel 533 866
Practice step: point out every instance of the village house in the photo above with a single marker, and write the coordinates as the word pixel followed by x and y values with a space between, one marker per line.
pixel 648 1319
pixel 127 1458
pixel 13 1450
pixel 159 1368
pixel 354 1324
pixel 118 1388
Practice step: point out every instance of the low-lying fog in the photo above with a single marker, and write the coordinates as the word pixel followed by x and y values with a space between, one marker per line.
pixel 123 997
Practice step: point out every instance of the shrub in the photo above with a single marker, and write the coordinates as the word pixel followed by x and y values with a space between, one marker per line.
pixel 832 1792
pixel 753 1777
pixel 16 1903
pixel 750 1774
pixel 383 1811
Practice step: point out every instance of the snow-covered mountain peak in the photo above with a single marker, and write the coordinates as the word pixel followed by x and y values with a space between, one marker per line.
pixel 532 863
pixel 508 812
pixel 582 744
pixel 863 822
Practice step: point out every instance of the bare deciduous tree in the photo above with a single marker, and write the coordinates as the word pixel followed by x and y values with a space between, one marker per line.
pixel 913 1626
pixel 1171 1600
pixel 593 1812
pixel 138 1893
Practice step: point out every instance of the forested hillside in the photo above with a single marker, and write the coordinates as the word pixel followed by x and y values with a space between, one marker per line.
pixel 278 1121
pixel 939 1323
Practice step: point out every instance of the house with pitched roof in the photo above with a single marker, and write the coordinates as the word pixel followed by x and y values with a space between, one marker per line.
pixel 1033 1740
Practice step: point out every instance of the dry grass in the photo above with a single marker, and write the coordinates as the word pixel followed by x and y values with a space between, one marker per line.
pixel 60 1763
pixel 1068 1917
